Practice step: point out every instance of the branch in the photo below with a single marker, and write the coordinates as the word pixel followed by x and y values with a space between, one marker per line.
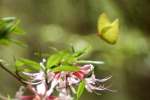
pixel 11 73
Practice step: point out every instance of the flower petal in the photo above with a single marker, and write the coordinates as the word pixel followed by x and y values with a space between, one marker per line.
pixel 26 97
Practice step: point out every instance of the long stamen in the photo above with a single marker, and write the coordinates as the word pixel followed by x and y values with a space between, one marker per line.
pixel 89 62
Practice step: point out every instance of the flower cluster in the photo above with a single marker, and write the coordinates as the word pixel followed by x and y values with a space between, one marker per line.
pixel 43 84
pixel 64 84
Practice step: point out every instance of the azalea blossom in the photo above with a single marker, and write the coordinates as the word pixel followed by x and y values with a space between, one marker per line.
pixel 44 83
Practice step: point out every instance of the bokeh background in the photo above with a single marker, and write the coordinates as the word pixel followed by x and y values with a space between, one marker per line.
pixel 62 23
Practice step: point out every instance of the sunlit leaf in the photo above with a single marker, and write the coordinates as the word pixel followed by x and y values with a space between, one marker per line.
pixel 108 31
pixel 68 58
pixel 62 57
pixel 13 26
pixel 8 28
pixel 20 43
pixel 26 64
pixel 68 68
pixel 80 89
pixel 19 31
pixel 55 59
pixel 80 52
pixel 8 19
pixel 5 41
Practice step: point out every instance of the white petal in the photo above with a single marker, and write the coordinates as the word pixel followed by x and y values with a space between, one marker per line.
pixel 65 97
pixel 41 88
pixel 72 80
pixel 73 89
pixel 53 84
pixel 88 88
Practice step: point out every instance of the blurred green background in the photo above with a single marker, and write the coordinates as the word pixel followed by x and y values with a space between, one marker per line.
pixel 62 23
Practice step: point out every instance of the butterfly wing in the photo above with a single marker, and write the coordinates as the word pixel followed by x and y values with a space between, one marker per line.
pixel 111 33
pixel 103 21
pixel 108 31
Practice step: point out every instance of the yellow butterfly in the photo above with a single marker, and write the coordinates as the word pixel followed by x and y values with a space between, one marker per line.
pixel 106 30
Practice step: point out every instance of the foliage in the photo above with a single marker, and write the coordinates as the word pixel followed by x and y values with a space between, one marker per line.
pixel 59 61
pixel 8 27
pixel 67 71
pixel 80 90
pixel 63 70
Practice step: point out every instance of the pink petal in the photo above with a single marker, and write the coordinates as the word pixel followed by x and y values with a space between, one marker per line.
pixel 79 74
pixel 51 98
pixel 26 97
pixel 87 68
pixel 41 88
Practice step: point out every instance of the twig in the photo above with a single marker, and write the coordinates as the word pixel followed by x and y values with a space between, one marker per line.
pixel 11 73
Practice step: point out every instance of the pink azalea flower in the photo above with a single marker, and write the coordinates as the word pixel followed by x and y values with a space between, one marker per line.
pixel 91 83
pixel 43 83
pixel 84 70
pixel 37 98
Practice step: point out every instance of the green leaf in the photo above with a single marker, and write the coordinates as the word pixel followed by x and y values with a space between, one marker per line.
pixel 19 31
pixel 67 68
pixel 55 59
pixel 26 64
pixel 68 58
pixel 8 19
pixel 62 57
pixel 9 25
pixel 78 53
pixel 20 43
pixel 80 89
pixel 7 28
pixel 5 41
pixel 13 25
